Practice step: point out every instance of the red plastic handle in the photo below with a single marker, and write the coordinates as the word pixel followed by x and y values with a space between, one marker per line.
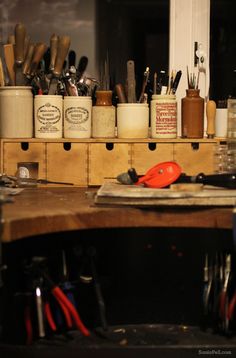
pixel 58 293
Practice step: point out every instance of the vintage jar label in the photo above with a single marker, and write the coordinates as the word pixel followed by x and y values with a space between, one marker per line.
pixel 166 119
pixel 77 118
pixel 49 116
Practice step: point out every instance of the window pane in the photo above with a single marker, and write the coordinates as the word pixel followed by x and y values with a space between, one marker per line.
pixel 133 30
pixel 223 49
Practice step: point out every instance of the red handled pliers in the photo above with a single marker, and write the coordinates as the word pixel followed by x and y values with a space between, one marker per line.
pixel 66 305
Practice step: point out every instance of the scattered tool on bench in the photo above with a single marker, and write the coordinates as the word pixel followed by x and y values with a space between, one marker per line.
pixel 166 173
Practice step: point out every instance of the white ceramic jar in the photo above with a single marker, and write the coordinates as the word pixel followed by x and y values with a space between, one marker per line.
pixel 16 112
pixel 48 114
pixel 163 116
pixel 132 120
pixel 77 116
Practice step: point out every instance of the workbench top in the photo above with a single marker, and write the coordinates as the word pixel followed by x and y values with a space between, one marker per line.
pixel 42 210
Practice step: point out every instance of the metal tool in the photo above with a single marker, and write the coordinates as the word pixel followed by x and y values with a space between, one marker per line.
pixel 176 82
pixel 145 81
pixel 223 308
pixel 63 301
pixel 20 33
pixel 221 180
pixel 100 300
pixel 161 175
pixel 39 309
pixel 131 82
pixel 62 51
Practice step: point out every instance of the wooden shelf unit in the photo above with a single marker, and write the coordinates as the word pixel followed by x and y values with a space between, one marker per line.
pixel 90 162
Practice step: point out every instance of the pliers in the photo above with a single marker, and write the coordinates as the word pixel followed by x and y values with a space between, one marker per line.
pixel 223 309
pixel 66 305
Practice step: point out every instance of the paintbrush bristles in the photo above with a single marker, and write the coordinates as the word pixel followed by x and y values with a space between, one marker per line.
pixel 193 82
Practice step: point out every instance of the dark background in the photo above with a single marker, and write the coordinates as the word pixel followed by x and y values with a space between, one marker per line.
pixel 133 30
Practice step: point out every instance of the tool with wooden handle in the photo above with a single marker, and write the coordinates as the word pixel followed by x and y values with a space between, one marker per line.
pixel 120 91
pixel 11 39
pixel 62 51
pixel 2 77
pixel 28 59
pixel 9 56
pixel 39 50
pixel 131 83
pixel 20 34
pixel 26 45
pixel 82 65
pixel 211 114
pixel 53 51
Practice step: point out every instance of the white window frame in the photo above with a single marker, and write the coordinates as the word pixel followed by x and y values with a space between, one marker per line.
pixel 189 23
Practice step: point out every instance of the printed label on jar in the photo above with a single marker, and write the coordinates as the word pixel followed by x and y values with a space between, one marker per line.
pixel 76 118
pixel 166 118
pixel 50 117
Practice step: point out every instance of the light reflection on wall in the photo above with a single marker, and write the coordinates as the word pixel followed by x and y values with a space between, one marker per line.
pixel 42 18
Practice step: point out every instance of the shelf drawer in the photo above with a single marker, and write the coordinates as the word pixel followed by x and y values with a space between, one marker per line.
pixel 195 158
pixel 146 155
pixel 67 162
pixel 107 160
pixel 16 152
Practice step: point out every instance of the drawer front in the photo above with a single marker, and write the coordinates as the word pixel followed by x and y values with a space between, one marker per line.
pixel 146 155
pixel 67 162
pixel 16 152
pixel 107 160
pixel 195 158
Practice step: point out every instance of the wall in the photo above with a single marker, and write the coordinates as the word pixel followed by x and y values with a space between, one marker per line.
pixel 42 18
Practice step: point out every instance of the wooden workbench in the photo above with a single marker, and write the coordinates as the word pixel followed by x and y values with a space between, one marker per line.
pixel 41 210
